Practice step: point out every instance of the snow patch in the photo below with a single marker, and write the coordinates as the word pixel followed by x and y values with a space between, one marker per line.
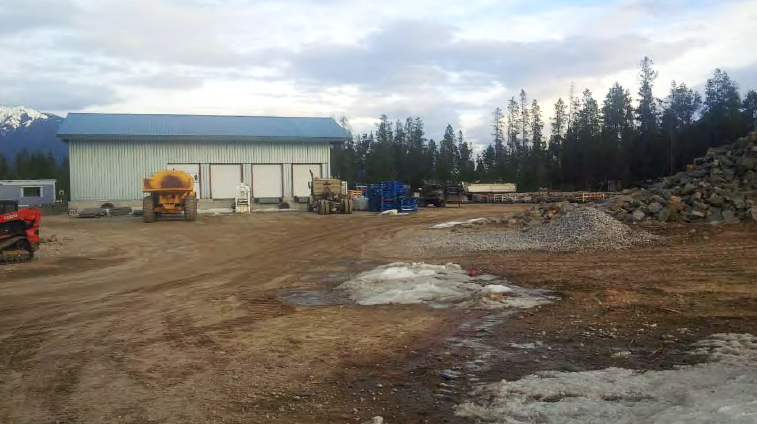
pixel 451 224
pixel 496 288
pixel 720 391
pixel 19 116
pixel 405 283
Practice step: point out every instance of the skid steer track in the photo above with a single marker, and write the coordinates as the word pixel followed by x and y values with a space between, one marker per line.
pixel 22 253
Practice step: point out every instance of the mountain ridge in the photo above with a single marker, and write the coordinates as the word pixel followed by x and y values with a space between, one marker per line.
pixel 24 128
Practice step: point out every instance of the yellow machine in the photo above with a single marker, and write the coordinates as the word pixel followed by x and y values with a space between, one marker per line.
pixel 169 192
pixel 326 196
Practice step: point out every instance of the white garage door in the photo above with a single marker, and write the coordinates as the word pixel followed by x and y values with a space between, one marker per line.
pixel 192 169
pixel 267 181
pixel 224 180
pixel 301 178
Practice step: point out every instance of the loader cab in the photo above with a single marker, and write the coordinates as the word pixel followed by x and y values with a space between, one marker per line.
pixel 8 206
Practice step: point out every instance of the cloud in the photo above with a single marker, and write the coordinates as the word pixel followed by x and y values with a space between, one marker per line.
pixel 55 95
pixel 445 61
pixel 410 53
pixel 22 16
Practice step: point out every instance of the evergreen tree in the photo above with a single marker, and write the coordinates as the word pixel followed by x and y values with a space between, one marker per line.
pixel 645 155
pixel 618 134
pixel 680 108
pixel 489 162
pixel 5 169
pixel 559 125
pixel 525 124
pixel 538 149
pixel 466 164
pixel 588 123
pixel 432 155
pixel 499 140
pixel 722 119
pixel 750 109
pixel 446 166
pixel 343 155
pixel 509 165
pixel 588 144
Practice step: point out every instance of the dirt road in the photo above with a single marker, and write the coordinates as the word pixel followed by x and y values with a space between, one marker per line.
pixel 176 322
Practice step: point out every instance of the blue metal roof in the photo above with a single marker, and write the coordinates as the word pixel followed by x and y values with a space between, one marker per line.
pixel 109 125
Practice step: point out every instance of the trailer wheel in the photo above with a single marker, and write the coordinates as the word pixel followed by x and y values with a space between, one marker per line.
pixel 190 208
pixel 148 209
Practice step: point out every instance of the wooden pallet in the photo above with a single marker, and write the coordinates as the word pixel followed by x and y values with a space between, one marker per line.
pixel 584 197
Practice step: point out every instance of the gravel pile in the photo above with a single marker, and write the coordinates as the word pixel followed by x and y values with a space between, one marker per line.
pixel 580 228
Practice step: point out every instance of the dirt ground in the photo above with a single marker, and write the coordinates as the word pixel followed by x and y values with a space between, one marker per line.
pixel 174 322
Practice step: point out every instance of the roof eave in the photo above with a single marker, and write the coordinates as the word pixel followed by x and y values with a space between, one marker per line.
pixel 194 138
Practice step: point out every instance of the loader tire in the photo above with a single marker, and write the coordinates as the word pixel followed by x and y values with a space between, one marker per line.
pixel 190 208
pixel 148 209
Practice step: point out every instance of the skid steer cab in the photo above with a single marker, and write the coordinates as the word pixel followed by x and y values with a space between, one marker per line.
pixel 169 192
pixel 326 196
pixel 19 232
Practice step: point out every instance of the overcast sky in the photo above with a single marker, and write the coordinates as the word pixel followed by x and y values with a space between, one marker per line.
pixel 445 61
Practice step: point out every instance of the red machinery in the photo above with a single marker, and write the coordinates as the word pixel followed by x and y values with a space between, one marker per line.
pixel 19 231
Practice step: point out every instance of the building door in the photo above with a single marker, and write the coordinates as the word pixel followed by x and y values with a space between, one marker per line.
pixel 224 180
pixel 192 169
pixel 301 178
pixel 267 181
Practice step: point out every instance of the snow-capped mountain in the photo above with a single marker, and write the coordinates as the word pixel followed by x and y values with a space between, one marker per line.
pixel 13 118
pixel 23 128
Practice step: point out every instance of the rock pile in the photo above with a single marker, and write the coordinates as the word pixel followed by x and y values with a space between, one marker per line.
pixel 719 187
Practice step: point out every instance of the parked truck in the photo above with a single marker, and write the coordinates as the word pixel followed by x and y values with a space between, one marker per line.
pixel 169 192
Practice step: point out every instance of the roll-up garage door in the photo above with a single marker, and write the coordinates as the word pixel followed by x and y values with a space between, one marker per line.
pixel 267 181
pixel 224 179
pixel 301 178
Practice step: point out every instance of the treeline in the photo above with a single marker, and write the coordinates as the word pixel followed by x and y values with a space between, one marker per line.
pixel 35 166
pixel 591 144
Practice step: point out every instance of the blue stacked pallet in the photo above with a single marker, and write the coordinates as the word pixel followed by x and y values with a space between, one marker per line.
pixel 374 197
pixel 385 196
pixel 408 204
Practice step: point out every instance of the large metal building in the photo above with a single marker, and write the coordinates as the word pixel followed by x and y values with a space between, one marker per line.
pixel 110 154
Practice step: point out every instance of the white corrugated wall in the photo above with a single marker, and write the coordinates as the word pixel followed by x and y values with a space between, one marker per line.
pixel 113 170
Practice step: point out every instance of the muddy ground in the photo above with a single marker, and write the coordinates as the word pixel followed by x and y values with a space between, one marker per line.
pixel 175 322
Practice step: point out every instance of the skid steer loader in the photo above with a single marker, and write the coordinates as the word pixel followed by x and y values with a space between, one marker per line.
pixel 19 232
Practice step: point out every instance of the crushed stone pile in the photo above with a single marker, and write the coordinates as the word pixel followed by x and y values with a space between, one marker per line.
pixel 719 187
pixel 577 229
